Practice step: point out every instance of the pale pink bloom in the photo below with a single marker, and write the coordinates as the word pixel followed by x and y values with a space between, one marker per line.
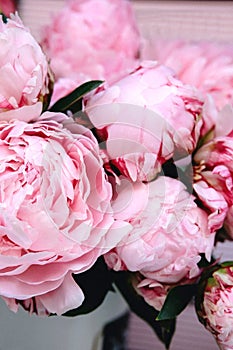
pixel 168 231
pixel 55 212
pixel 213 178
pixel 99 39
pixel 210 117
pixel 216 122
pixel 146 118
pixel 212 200
pixel 7 7
pixel 23 72
pixel 205 65
pixel 216 310
pixel 153 292
pixel 224 122
pixel 216 152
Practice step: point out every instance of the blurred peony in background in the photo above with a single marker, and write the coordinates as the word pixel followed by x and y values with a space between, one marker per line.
pixel 75 47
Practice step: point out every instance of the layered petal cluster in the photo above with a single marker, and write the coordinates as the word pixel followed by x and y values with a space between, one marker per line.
pixel 154 292
pixel 55 213
pixel 168 231
pixel 216 310
pixel 23 72
pixel 92 38
pixel 145 119
pixel 206 65
pixel 213 177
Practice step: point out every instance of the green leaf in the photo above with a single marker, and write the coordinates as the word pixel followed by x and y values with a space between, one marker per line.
pixel 227 264
pixel 177 300
pixel 4 17
pixel 163 329
pixel 95 284
pixel 73 101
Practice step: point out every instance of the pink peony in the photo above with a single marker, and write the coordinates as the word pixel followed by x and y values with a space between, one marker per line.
pixel 212 200
pixel 153 292
pixel 146 118
pixel 7 6
pixel 216 309
pixel 23 72
pixel 205 65
pixel 55 212
pixel 213 178
pixel 168 231
pixel 216 123
pixel 96 38
pixel 213 171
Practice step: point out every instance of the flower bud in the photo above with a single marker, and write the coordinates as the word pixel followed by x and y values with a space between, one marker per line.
pixel 215 304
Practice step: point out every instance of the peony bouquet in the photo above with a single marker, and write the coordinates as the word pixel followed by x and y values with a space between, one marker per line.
pixel 116 168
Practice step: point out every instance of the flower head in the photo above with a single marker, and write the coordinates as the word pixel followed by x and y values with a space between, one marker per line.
pixel 213 179
pixel 145 119
pixel 98 44
pixel 23 72
pixel 55 212
pixel 206 65
pixel 169 231
pixel 215 309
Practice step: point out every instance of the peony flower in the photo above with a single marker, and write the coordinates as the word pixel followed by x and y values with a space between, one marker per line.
pixel 145 119
pixel 213 178
pixel 153 292
pixel 100 44
pixel 168 231
pixel 216 309
pixel 205 65
pixel 23 72
pixel 212 200
pixel 55 212
pixel 216 123
pixel 7 7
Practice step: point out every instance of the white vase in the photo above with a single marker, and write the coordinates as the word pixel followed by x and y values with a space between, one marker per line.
pixel 24 332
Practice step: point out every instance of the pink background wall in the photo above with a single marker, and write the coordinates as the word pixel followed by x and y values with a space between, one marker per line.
pixel 168 19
